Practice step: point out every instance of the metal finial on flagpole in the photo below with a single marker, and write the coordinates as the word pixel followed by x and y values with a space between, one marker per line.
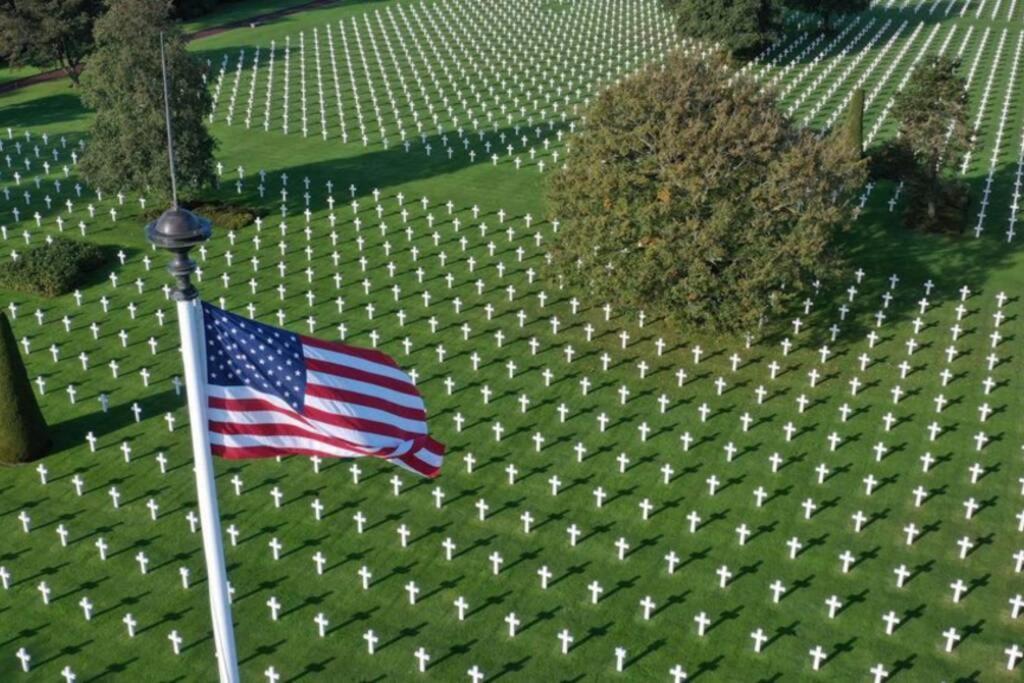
pixel 178 230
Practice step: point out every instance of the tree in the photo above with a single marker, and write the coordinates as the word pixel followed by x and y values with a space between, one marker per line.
pixel 693 197
pixel 827 9
pixel 852 133
pixel 932 111
pixel 122 81
pixel 23 431
pixel 740 26
pixel 47 32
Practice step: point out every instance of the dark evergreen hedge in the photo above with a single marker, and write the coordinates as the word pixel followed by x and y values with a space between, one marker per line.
pixel 23 432
pixel 52 269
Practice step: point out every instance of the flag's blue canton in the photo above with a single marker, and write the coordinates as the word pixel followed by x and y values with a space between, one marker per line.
pixel 241 352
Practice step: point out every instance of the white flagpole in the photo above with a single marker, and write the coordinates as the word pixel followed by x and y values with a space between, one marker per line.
pixel 193 344
pixel 177 231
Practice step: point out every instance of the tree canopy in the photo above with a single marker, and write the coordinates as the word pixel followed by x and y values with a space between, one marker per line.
pixel 122 81
pixel 47 32
pixel 689 194
pixel 739 26
pixel 932 111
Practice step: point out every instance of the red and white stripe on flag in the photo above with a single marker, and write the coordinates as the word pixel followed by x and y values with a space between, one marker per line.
pixel 271 393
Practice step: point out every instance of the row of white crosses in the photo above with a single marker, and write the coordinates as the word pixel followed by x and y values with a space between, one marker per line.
pixel 946 8
pixel 982 103
pixel 50 199
pixel 620 548
pixel 532 47
pixel 913 5
pixel 28 162
pixel 830 61
pixel 624 399
pixel 848 559
pixel 1012 91
pixel 115 370
pixel 275 546
pixel 141 560
pixel 78 483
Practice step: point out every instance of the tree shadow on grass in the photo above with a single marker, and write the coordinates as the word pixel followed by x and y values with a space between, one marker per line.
pixel 42 111
pixel 71 433
pixel 883 246
pixel 375 167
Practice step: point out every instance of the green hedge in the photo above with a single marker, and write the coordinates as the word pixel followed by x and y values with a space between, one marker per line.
pixel 226 216
pixel 52 269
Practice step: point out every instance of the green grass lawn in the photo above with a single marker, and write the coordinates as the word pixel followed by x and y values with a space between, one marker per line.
pixel 57 635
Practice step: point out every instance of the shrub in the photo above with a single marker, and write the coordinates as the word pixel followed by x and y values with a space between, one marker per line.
pixel 52 269
pixel 226 216
pixel 223 215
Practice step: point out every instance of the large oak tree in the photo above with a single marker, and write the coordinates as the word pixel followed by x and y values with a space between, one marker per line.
pixel 688 193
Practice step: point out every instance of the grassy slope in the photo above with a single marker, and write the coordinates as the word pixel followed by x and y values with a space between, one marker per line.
pixel 58 635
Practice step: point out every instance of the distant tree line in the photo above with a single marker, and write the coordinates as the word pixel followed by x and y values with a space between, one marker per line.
pixel 47 33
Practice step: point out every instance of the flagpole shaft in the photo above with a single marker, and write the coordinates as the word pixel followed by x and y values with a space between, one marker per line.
pixel 192 345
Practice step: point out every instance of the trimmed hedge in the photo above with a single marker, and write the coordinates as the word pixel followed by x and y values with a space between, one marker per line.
pixel 226 216
pixel 52 269
pixel 24 435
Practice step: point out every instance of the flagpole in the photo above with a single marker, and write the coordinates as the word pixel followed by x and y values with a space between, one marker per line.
pixel 178 231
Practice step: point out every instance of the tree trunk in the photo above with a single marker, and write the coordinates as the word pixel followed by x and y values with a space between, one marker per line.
pixel 68 63
pixel 72 72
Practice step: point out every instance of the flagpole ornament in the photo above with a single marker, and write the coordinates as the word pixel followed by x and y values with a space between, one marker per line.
pixel 178 231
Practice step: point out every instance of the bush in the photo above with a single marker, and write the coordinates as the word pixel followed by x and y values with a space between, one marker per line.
pixel 224 216
pixel 52 269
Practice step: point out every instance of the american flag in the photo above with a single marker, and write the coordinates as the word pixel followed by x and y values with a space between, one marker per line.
pixel 274 393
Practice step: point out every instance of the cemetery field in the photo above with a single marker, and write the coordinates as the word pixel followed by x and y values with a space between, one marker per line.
pixel 841 498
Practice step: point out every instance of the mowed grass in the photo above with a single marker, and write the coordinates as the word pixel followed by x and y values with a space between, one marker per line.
pixel 58 635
